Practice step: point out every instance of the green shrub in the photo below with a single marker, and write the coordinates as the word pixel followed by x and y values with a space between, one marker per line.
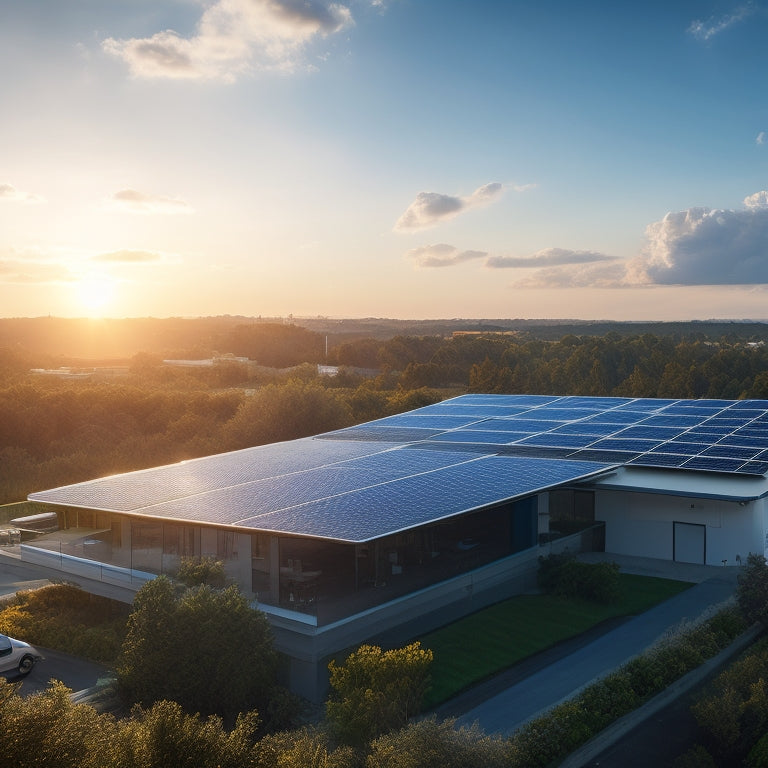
pixel 562 574
pixel 433 743
pixel 374 692
pixel 69 619
pixel 194 571
pixel 758 755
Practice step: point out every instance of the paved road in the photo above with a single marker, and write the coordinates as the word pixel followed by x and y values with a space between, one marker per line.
pixel 76 673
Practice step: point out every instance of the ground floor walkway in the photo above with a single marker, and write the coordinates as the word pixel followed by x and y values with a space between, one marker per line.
pixel 562 673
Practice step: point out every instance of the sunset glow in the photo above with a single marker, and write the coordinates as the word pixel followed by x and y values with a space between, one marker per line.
pixel 388 158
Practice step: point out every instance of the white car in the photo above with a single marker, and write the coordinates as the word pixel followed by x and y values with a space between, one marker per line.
pixel 17 657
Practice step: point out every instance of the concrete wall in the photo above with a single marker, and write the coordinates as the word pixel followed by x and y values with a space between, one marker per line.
pixel 642 524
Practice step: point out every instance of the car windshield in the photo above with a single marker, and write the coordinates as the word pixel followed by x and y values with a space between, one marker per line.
pixel 5 645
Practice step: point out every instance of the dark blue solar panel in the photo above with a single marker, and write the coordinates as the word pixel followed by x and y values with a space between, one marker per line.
pixel 680 446
pixel 648 404
pixel 424 421
pixel 615 417
pixel 744 441
pixel 755 468
pixel 619 444
pixel 652 433
pixel 608 457
pixel 477 436
pixel 760 405
pixel 677 420
pixel 712 464
pixel 708 432
pixel 384 434
pixel 594 403
pixel 555 413
pixel 660 460
pixel 385 509
pixel 476 411
pixel 731 452
pixel 558 440
pixel 510 425
pixel 584 428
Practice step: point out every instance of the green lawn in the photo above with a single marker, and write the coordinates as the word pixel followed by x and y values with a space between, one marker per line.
pixel 497 637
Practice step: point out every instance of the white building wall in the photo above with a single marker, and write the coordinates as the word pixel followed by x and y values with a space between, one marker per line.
pixel 642 524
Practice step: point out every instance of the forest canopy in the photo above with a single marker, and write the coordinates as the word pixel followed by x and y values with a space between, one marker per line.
pixel 56 430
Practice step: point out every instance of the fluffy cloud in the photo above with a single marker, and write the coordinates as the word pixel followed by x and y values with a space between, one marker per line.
pixel 701 246
pixel 548 257
pixel 704 30
pixel 431 208
pixel 232 37
pixel 443 255
pixel 9 193
pixel 761 138
pixel 132 201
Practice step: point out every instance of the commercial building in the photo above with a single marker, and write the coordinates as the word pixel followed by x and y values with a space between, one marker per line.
pixel 404 522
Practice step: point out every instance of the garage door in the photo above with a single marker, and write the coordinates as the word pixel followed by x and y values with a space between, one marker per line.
pixel 689 543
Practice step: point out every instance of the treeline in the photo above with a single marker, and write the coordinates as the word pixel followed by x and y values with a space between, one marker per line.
pixel 610 365
pixel 54 432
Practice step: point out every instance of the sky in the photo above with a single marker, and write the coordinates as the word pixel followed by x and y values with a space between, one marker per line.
pixel 384 158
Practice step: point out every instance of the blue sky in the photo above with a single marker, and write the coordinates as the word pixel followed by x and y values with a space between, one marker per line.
pixel 402 158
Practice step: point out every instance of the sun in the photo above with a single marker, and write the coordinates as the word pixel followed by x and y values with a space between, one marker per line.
pixel 94 294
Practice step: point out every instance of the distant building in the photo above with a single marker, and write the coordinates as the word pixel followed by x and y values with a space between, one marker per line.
pixel 428 514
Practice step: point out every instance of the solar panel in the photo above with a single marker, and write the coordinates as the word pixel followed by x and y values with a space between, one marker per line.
pixel 731 451
pixel 353 484
pixel 558 440
pixel 412 501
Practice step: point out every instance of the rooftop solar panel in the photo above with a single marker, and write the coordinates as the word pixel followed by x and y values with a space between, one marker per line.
pixel 393 473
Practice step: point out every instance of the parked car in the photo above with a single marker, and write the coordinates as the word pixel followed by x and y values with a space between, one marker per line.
pixel 17 656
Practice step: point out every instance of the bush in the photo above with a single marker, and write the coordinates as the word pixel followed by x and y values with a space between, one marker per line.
pixel 562 574
pixel 433 743
pixel 752 591
pixel 194 571
pixel 734 712
pixel 67 618
pixel 375 692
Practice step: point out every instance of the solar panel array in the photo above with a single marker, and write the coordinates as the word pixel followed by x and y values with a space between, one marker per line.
pixel 703 435
pixel 445 459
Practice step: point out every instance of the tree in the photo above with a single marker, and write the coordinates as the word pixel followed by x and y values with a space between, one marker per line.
pixel 206 649
pixel 375 692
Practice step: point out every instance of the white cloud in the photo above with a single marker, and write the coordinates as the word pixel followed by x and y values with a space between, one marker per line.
pixel 758 200
pixel 9 193
pixel 548 257
pixel 761 138
pixel 234 37
pixel 132 201
pixel 431 208
pixel 701 246
pixel 576 276
pixel 443 255
pixel 704 30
